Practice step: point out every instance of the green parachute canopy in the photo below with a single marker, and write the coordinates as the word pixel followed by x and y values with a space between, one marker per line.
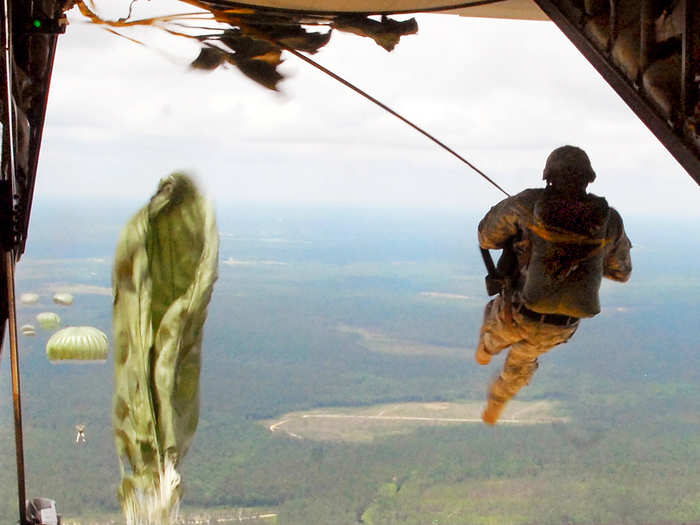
pixel 28 329
pixel 164 271
pixel 29 298
pixel 48 320
pixel 64 299
pixel 81 343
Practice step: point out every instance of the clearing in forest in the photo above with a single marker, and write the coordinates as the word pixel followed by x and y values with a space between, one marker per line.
pixel 360 424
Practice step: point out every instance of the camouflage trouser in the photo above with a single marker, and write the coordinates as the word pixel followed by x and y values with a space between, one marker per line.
pixel 527 338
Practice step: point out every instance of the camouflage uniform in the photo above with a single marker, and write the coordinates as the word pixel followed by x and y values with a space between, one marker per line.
pixel 560 270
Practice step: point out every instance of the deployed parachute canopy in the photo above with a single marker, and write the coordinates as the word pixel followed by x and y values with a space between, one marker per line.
pixel 28 329
pixel 80 343
pixel 64 299
pixel 48 320
pixel 29 298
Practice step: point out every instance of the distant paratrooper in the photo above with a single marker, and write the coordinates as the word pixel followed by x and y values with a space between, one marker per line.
pixel 80 437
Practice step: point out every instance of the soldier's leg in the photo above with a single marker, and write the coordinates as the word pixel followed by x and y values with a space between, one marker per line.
pixel 517 371
pixel 496 333
pixel 521 364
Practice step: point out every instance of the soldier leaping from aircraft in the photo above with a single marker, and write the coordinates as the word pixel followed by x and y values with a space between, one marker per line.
pixel 562 241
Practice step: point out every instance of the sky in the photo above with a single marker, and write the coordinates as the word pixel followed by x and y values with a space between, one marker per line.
pixel 501 93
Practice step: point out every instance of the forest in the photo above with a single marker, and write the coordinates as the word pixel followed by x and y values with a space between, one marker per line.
pixel 291 282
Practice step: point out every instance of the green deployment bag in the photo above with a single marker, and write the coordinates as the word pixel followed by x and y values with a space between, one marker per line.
pixel 164 271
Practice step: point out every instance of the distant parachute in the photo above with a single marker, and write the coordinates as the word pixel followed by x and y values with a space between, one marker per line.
pixel 48 320
pixel 29 298
pixel 28 329
pixel 64 299
pixel 81 343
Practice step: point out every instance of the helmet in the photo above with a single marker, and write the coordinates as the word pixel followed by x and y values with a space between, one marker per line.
pixel 568 166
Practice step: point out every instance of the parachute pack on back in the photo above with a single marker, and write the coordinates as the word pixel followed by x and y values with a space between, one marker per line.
pixel 566 262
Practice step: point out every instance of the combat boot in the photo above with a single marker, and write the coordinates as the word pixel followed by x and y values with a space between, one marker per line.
pixel 493 411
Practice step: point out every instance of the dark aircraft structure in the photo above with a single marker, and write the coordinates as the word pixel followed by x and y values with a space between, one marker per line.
pixel 647 50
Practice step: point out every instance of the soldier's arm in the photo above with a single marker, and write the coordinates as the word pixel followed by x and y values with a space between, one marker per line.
pixel 502 222
pixel 618 262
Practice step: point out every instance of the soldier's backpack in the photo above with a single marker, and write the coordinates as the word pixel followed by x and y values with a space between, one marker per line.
pixel 565 267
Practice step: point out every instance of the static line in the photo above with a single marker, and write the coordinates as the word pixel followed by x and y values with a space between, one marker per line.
pixel 388 109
